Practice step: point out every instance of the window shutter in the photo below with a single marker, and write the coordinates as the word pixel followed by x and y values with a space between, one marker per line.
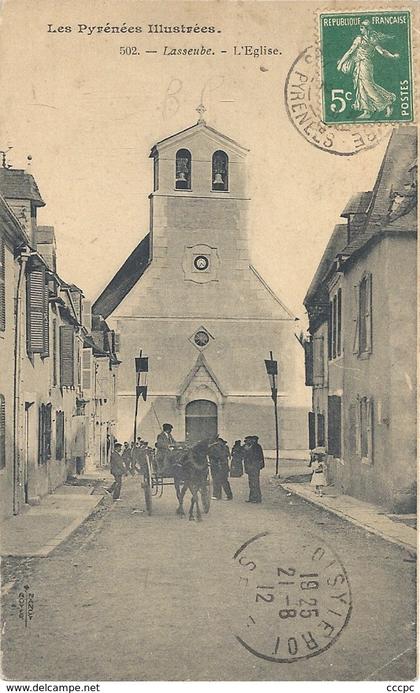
pixel 370 430
pixel 47 445
pixel 318 375
pixel 2 432
pixel 54 354
pixel 334 426
pixel 320 429
pixel 44 433
pixel 59 435
pixel 2 285
pixel 358 427
pixel 41 434
pixel 369 312
pixel 311 430
pixel 66 356
pixel 309 361
pixel 330 329
pixel 117 342
pixel 339 340
pixel 87 314
pixel 46 322
pixel 35 311
pixel 356 319
pixel 77 363
pixel 86 369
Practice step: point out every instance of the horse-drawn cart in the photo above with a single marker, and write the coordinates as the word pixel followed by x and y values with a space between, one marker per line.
pixel 185 467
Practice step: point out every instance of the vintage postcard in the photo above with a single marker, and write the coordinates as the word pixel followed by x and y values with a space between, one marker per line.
pixel 208 288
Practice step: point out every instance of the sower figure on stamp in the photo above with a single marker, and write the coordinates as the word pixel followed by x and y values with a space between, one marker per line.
pixel 369 96
pixel 253 463
pixel 117 470
pixel 165 442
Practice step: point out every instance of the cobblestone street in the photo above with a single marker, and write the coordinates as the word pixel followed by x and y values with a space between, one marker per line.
pixel 133 597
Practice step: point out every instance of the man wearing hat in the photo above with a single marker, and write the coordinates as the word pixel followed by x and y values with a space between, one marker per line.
pixel 165 442
pixel 253 463
pixel 118 470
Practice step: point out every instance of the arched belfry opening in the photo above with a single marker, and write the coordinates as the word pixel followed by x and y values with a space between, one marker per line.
pixel 200 420
pixel 183 170
pixel 220 171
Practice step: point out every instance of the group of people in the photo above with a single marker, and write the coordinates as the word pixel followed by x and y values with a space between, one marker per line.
pixel 127 459
pixel 248 457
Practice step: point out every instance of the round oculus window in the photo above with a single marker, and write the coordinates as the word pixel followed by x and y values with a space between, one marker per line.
pixel 201 263
pixel 201 338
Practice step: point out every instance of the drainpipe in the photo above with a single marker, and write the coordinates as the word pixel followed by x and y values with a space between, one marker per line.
pixel 17 394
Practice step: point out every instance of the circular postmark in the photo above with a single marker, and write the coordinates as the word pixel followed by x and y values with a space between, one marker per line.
pixel 303 104
pixel 292 602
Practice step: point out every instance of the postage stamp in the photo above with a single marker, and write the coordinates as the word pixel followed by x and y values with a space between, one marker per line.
pixel 294 601
pixel 366 67
pixel 303 107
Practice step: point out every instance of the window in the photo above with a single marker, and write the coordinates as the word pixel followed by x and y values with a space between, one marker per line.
pixel 2 432
pixel 334 327
pixel 318 363
pixel 44 434
pixel 320 430
pixel 67 356
pixel 2 285
pixel 309 361
pixel 220 171
pixel 364 429
pixel 311 430
pixel 334 426
pixel 59 435
pixel 362 316
pixel 54 354
pixel 316 427
pixel 37 316
pixel 86 369
pixel 183 170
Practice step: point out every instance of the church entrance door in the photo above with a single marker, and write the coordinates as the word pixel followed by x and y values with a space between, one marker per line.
pixel 200 420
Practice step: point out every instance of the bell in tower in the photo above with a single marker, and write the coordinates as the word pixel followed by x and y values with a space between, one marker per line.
pixel 183 170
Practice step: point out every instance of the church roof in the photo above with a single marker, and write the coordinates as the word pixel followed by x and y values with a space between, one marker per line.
pixel 124 280
pixel 200 126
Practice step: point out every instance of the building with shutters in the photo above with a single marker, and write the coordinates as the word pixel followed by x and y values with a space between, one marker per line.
pixel 53 411
pixel 190 298
pixel 361 356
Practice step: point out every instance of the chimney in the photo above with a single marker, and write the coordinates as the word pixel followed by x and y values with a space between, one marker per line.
pixel 46 246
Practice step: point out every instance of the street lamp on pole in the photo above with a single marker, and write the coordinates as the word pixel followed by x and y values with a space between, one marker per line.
pixel 142 369
pixel 272 372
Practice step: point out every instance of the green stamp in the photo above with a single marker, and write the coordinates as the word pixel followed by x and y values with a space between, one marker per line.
pixel 366 70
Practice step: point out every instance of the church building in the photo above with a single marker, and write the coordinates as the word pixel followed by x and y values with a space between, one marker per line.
pixel 190 299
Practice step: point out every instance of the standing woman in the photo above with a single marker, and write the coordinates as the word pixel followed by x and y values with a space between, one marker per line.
pixel 369 97
pixel 237 455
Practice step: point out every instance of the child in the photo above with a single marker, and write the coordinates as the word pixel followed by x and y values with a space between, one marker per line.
pixel 318 475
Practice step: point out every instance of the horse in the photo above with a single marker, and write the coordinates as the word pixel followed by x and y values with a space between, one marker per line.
pixel 191 473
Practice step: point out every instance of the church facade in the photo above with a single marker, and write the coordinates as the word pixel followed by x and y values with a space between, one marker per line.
pixel 189 297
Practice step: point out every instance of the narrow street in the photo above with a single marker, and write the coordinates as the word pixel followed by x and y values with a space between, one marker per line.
pixel 132 597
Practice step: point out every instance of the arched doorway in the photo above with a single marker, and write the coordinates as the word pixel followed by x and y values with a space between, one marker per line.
pixel 200 420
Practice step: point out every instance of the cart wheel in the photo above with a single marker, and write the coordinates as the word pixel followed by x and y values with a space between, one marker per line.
pixel 147 487
pixel 205 493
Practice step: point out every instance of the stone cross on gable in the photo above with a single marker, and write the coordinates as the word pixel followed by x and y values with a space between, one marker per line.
pixel 201 110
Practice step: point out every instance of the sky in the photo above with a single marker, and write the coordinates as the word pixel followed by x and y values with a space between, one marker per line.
pixel 89 116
